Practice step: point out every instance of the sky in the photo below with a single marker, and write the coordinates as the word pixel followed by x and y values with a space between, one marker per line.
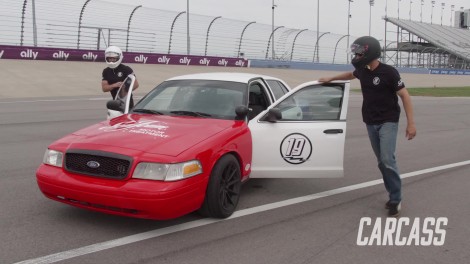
pixel 302 14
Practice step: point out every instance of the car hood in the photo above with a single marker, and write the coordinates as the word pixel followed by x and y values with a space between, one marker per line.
pixel 158 134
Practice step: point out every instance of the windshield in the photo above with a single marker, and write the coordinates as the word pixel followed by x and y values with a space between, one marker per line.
pixel 199 98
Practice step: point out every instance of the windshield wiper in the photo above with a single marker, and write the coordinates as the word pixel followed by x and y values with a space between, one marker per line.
pixel 146 111
pixel 190 113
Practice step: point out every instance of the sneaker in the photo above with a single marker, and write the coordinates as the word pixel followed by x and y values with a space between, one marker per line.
pixel 394 209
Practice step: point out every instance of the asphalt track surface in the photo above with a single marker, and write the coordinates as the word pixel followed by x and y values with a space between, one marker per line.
pixel 322 229
pixel 29 78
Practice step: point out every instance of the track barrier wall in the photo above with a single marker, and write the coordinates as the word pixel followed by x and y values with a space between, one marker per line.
pixel 58 54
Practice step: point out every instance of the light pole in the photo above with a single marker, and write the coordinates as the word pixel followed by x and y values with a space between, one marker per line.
pixel 273 6
pixel 318 24
pixel 35 30
pixel 451 13
pixel 371 4
pixel 188 44
pixel 398 29
pixel 349 17
pixel 398 9
pixel 384 56
pixel 461 10
pixel 410 8
pixel 432 9
pixel 386 7
pixel 442 10
pixel 421 15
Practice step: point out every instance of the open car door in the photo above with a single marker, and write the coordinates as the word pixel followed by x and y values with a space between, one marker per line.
pixel 302 134
pixel 123 97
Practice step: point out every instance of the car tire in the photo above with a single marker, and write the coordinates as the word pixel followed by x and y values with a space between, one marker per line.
pixel 223 188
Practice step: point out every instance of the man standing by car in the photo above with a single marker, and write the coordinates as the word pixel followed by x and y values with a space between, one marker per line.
pixel 116 72
pixel 380 85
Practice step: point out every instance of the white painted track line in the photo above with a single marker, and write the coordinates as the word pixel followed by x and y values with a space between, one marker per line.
pixel 202 222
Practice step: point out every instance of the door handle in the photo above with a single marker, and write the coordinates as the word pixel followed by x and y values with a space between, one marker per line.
pixel 333 131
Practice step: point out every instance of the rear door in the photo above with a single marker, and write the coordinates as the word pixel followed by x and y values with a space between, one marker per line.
pixel 307 139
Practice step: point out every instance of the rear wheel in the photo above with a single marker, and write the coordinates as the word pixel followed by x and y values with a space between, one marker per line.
pixel 223 189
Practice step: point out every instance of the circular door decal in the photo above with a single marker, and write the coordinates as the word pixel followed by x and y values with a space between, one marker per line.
pixel 296 148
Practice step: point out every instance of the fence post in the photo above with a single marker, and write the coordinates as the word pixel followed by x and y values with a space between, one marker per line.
pixel 171 30
pixel 334 54
pixel 80 23
pixel 293 42
pixel 129 26
pixel 317 48
pixel 241 38
pixel 269 41
pixel 207 36
pixel 23 11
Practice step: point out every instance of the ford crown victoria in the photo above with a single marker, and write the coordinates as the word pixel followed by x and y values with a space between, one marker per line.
pixel 190 143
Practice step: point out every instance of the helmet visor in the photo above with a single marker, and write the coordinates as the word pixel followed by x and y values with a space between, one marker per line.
pixel 112 58
pixel 358 49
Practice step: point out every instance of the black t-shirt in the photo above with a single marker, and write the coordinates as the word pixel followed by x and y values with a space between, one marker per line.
pixel 118 74
pixel 379 91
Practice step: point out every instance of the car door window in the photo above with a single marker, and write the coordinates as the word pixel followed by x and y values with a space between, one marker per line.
pixel 278 88
pixel 124 93
pixel 124 90
pixel 257 100
pixel 316 102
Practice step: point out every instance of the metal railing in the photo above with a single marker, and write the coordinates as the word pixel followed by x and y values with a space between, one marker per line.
pixel 95 24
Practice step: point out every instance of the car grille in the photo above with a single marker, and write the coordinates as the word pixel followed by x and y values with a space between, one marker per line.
pixel 97 163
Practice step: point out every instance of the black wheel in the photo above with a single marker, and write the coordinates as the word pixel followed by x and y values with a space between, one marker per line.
pixel 223 189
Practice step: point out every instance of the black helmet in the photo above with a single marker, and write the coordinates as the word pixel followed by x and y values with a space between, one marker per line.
pixel 365 50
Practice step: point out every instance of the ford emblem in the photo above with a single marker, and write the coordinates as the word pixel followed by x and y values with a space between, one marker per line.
pixel 93 164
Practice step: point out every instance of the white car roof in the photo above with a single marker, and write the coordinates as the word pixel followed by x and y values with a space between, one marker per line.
pixel 223 76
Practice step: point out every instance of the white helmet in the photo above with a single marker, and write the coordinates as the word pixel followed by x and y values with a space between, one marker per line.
pixel 113 56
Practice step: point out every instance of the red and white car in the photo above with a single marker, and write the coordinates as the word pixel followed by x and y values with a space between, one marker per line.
pixel 190 143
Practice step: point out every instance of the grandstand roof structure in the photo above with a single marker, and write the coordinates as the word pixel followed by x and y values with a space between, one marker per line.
pixel 420 44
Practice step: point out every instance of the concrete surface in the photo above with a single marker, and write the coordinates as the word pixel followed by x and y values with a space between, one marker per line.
pixel 25 78
pixel 318 231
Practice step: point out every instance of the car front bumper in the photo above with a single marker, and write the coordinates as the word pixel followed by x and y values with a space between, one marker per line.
pixel 130 197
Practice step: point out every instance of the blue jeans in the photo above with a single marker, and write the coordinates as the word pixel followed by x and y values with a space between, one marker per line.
pixel 383 139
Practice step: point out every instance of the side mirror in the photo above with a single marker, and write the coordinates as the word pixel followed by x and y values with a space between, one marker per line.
pixel 116 105
pixel 242 111
pixel 272 115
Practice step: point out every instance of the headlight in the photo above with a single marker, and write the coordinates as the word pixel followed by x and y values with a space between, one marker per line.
pixel 53 157
pixel 167 172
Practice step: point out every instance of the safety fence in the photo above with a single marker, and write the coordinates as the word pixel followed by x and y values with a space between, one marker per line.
pixel 96 24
